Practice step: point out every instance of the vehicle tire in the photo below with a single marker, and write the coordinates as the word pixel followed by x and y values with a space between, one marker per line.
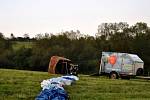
pixel 139 72
pixel 113 75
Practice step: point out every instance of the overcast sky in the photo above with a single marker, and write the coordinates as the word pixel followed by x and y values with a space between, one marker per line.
pixel 54 16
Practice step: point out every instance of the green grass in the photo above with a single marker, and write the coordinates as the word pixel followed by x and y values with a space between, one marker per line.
pixel 18 45
pixel 25 85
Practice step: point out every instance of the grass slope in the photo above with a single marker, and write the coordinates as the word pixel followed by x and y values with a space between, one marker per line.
pixel 25 85
pixel 18 45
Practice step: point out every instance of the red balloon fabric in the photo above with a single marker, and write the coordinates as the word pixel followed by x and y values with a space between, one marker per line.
pixel 53 61
pixel 112 59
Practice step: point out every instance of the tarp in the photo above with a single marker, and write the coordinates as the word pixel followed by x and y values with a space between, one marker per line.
pixel 53 62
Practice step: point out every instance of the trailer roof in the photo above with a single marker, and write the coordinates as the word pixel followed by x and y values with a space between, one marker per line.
pixel 135 58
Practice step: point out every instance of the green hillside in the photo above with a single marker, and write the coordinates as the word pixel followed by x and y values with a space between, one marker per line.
pixel 18 45
pixel 25 85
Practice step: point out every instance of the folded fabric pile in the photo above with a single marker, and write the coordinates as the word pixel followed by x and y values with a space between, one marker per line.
pixel 52 89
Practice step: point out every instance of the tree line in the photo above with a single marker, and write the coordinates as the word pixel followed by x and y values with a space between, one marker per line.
pixel 83 50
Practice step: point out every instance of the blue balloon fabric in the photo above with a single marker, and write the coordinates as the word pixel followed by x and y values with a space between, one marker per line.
pixel 52 89
pixel 53 94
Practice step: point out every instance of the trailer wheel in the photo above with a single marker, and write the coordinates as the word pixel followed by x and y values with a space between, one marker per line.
pixel 139 72
pixel 113 75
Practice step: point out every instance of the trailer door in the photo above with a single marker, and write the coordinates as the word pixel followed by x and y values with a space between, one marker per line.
pixel 127 65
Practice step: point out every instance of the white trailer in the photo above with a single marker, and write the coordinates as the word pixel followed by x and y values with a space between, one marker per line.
pixel 122 65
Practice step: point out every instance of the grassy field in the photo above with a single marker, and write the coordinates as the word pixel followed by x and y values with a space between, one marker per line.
pixel 25 85
pixel 18 45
